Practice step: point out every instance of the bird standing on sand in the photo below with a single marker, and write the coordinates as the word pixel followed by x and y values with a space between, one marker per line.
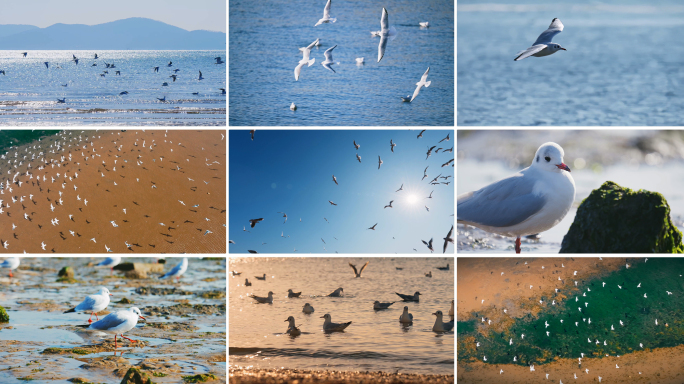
pixel 93 304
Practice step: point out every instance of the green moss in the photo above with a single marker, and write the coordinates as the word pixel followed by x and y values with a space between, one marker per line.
pixel 79 351
pixel 213 295
pixel 135 376
pixel 159 374
pixel 607 306
pixel 68 280
pixel 125 301
pixel 27 378
pixel 614 219
pixel 465 327
pixel 60 351
pixel 66 272
pixel 199 378
pixel 4 317
pixel 124 267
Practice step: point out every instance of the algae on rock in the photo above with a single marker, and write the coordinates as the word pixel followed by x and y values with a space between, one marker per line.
pixel 614 219
pixel 4 317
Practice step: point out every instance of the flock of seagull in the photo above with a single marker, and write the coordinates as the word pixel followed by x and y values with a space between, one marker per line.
pixel 385 33
pixel 406 318
pixel 435 181
pixel 174 76
pixel 584 325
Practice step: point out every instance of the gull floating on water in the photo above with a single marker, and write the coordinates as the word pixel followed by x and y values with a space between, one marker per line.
pixel 308 309
pixel 359 60
pixel 378 305
pixel 336 293
pixel 293 106
pixel 406 317
pixel 93 303
pixel 440 326
pixel 306 52
pixel 264 300
pixel 329 326
pixel 423 82
pixel 290 293
pixel 424 24
pixel 543 45
pixel 414 297
pixel 291 329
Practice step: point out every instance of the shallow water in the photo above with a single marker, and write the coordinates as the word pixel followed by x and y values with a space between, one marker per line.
pixel 29 91
pixel 620 67
pixel 375 341
pixel 264 42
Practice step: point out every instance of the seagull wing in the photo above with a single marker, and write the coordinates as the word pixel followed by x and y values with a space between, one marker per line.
pixel 384 21
pixel 423 79
pixel 364 267
pixel 507 202
pixel 328 52
pixel 298 70
pixel 354 268
pixel 381 47
pixel 555 28
pixel 417 91
pixel 384 31
pixel 326 10
pixel 111 322
pixel 530 51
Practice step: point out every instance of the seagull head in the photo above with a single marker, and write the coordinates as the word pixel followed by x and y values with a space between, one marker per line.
pixel 104 291
pixel 549 157
pixel 326 316
pixel 556 47
pixel 438 314
pixel 137 312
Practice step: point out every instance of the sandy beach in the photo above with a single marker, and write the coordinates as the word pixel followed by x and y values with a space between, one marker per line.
pixel 481 279
pixel 151 191
pixel 286 376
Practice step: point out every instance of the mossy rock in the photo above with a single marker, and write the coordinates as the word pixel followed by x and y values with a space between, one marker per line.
pixel 124 267
pixel 68 280
pixel 125 300
pixel 614 219
pixel 67 272
pixel 199 378
pixel 134 376
pixel 4 317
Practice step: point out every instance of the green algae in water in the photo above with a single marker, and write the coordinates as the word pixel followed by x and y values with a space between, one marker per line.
pixel 607 306
pixel 4 317
pixel 199 378
pixel 465 327
pixel 9 138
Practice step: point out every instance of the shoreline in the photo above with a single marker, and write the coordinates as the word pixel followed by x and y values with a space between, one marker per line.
pixel 304 376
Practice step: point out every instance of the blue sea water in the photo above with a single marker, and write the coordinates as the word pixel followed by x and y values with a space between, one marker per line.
pixel 265 38
pixel 623 64
pixel 29 91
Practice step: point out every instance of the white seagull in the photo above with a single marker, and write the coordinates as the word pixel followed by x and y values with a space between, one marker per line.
pixel 329 326
pixel 328 62
pixel 385 33
pixel 93 303
pixel 326 15
pixel 423 82
pixel 117 323
pixel 543 46
pixel 406 317
pixel 305 59
pixel 178 270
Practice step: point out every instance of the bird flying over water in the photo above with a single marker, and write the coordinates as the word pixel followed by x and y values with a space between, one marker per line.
pixel 326 15
pixel 423 82
pixel 328 62
pixel 218 60
pixel 385 33
pixel 306 52
pixel 24 53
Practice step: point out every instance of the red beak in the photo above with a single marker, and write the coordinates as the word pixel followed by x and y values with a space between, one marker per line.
pixel 563 166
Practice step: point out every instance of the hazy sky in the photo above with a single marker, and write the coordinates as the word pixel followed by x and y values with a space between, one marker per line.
pixel 187 14
pixel 291 171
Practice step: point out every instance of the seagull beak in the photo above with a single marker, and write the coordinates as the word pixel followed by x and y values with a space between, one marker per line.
pixel 140 316
pixel 563 166
pixel 321 317
pixel 564 49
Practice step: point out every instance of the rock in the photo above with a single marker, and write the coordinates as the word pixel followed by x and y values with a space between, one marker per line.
pixel 79 380
pixel 67 272
pixel 135 274
pixel 140 267
pixel 614 219
pixel 203 378
pixel 125 301
pixel 4 317
pixel 134 376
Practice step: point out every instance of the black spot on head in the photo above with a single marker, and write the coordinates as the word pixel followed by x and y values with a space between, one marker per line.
pixel 537 158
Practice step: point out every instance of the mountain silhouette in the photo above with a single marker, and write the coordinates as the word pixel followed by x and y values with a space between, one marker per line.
pixel 134 33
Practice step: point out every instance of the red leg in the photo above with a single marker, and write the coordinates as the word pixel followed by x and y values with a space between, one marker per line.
pixel 517 245
pixel 11 275
pixel 111 273
pixel 91 316
pixel 115 345
pixel 131 340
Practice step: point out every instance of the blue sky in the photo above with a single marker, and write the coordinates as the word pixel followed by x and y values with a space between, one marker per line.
pixel 291 171
pixel 187 14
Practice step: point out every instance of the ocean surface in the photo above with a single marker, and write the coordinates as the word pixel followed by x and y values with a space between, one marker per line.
pixel 264 42
pixel 621 66
pixel 29 91
pixel 375 341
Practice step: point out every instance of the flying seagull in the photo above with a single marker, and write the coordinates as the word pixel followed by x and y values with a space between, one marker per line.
pixel 285 216
pixel 358 273
pixel 200 76
pixel 543 46
pixel 218 60
pixel 356 145
pixel 306 52
pixel 373 227
pixel 446 138
pixel 328 62
pixel 423 82
pixel 331 203
pixel 379 162
pixel 253 222
pixel 326 15
pixel 358 157
pixel 390 204
pixel 448 239
pixel 429 245
pixel 385 33
pixel 420 134
pixel 400 188
pixel 335 179
pixel 392 145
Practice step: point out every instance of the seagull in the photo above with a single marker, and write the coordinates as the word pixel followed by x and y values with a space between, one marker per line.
pixel 261 277
pixel 253 222
pixel 61 101
pixel 357 146
pixel 415 297
pixel 531 201
pixel 329 326
pixel 42 245
pixel 392 145
pixel 335 179
pixel 448 239
pixel 328 62
pixel 423 82
pixel 284 215
pixel 290 293
pixel 178 270
pixel 331 203
pixel 24 53
pixel 47 65
pixel 93 304
pixel 390 204
pixel 326 15
pixel 162 99
pixel 421 135
pixel 155 69
pixel 359 60
pixel 429 245
pixel 200 76
pixel 430 197
pixel 306 52
pixel 440 326
pixel 406 317
pixel 219 60
pixel 543 46
pixel 400 188
pixel 385 32
pixel 293 106
pixel 427 208
pixel 379 162
pixel 110 262
pixel 358 274
pixel 264 300
pixel 118 323
pixel 373 227
pixel 378 305
pixel 308 309
pixel 336 293
pixel 291 329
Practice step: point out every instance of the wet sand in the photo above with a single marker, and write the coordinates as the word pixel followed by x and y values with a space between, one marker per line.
pixel 184 333
pixel 287 376
pixel 147 173
pixel 480 278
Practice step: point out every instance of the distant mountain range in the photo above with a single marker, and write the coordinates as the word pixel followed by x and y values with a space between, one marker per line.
pixel 134 33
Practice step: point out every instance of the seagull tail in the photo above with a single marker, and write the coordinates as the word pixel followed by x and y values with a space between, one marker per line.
pixel 427 83
pixel 312 61
pixel 332 19
pixel 71 310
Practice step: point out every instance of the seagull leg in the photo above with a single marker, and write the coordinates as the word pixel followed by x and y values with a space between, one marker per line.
pixel 111 273
pixel 98 319
pixel 11 275
pixel 91 316
pixel 131 340
pixel 517 245
pixel 115 345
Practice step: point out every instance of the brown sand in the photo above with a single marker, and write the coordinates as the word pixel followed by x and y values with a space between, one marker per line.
pixel 169 160
pixel 480 278
pixel 299 376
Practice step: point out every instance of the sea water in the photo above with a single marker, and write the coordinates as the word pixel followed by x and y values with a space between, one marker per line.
pixel 29 90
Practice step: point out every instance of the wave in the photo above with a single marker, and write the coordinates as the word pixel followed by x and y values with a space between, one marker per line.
pixel 325 354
